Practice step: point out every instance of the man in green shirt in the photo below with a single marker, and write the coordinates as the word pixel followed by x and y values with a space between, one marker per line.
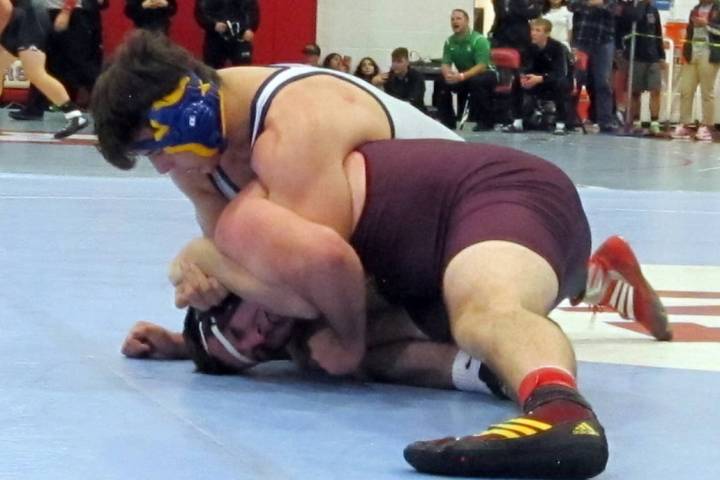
pixel 473 74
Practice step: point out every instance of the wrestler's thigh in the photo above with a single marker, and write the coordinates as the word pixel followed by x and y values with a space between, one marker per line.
pixel 498 275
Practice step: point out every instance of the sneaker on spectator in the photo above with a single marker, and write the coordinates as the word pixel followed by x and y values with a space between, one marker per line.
pixel 704 134
pixel 681 133
pixel 654 128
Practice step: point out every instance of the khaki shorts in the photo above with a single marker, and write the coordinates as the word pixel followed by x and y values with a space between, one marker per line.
pixel 646 76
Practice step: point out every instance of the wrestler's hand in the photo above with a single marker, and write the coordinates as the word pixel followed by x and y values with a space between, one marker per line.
pixel 194 288
pixel 147 340
pixel 331 355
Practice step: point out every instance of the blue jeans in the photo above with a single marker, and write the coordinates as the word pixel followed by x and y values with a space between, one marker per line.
pixel 601 60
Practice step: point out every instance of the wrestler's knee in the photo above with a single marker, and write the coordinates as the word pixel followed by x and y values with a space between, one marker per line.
pixel 480 323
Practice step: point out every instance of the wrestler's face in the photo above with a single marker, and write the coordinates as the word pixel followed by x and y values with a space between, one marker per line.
pixel 254 333
pixel 458 22
pixel 183 162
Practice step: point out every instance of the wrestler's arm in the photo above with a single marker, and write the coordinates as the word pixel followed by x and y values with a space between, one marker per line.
pixel 203 253
pixel 302 165
pixel 5 12
pixel 207 201
pixel 280 247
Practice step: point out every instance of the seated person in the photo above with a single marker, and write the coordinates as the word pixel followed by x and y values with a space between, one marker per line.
pixel 469 52
pixel 335 61
pixel 548 76
pixel 311 55
pixel 368 70
pixel 403 81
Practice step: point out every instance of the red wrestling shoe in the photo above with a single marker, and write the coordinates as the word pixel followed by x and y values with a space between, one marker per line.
pixel 616 282
pixel 558 437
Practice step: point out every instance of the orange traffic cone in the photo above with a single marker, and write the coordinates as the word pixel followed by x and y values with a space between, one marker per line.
pixel 583 106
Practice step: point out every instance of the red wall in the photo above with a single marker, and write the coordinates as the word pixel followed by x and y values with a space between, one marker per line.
pixel 285 26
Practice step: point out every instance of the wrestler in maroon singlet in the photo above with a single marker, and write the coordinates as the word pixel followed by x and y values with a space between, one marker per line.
pixel 427 200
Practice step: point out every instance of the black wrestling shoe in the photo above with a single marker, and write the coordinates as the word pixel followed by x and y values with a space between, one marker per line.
pixel 575 450
pixel 524 447
pixel 24 114
pixel 74 124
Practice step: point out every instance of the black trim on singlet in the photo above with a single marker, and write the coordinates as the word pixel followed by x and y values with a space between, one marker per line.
pixel 226 178
pixel 263 114
pixel 214 183
pixel 253 103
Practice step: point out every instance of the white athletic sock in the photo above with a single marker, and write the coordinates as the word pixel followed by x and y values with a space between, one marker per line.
pixel 466 374
pixel 518 123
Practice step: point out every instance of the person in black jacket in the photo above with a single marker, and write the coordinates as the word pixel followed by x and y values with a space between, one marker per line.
pixel 230 27
pixel 510 28
pixel 403 81
pixel 548 75
pixel 151 14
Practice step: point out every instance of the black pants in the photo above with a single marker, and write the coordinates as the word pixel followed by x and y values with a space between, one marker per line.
pixel 480 88
pixel 74 56
pixel 217 51
pixel 558 91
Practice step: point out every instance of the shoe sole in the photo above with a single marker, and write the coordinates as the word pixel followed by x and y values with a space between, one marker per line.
pixel 559 453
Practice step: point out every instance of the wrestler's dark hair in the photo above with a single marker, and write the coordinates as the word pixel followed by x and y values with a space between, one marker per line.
pixel 204 363
pixel 145 68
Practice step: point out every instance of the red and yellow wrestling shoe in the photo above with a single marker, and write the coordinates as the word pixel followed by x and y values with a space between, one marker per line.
pixel 559 437
pixel 615 281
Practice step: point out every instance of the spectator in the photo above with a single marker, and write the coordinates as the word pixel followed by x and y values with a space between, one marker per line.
pixel 702 54
pixel 333 61
pixel 593 33
pixel 403 81
pixel 151 14
pixel 74 53
pixel 649 63
pixel 230 27
pixel 548 76
pixel 368 70
pixel 510 28
pixel 311 54
pixel 556 11
pixel 469 53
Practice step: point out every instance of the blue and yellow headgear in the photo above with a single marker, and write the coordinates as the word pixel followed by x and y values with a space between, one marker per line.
pixel 188 119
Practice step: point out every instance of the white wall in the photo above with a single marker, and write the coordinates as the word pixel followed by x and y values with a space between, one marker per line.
pixel 374 28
